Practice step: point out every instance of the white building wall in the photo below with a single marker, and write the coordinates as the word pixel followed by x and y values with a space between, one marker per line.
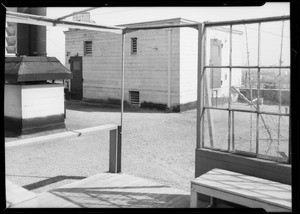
pixel 188 64
pixel 145 71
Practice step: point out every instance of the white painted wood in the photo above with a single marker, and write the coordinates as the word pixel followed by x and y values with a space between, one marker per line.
pixel 42 100
pixel 114 190
pixel 245 190
pixel 194 199
pixel 18 197
pixel 12 101
pixel 70 134
pixel 188 64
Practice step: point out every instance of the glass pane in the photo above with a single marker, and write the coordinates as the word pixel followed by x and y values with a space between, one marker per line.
pixel 216 129
pixel 245 45
pixel 273 47
pixel 272 80
pixel 216 91
pixel 76 65
pixel 244 89
pixel 244 132
pixel 217 46
pixel 273 137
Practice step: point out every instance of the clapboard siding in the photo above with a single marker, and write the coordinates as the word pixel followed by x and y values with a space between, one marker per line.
pixel 188 64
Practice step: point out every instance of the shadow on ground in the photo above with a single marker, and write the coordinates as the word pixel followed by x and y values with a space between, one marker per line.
pixel 99 107
pixel 51 180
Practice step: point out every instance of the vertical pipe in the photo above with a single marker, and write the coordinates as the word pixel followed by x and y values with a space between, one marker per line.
pixel 122 77
pixel 258 92
pixel 229 96
pixel 233 146
pixel 169 65
pixel 199 87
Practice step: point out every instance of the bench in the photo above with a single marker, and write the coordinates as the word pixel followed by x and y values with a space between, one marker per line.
pixel 242 189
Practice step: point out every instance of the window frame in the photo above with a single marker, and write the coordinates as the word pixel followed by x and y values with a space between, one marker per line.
pixel 230 147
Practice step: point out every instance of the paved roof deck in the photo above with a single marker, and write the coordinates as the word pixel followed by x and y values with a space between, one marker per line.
pixel 108 190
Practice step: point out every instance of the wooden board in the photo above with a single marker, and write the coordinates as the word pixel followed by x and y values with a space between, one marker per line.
pixel 18 197
pixel 108 190
pixel 243 189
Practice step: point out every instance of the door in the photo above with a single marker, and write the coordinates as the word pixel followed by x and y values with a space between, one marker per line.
pixel 76 82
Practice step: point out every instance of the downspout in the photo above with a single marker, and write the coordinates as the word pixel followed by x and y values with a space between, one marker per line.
pixel 169 66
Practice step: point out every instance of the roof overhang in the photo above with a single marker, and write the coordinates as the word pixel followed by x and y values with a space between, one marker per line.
pixel 36 68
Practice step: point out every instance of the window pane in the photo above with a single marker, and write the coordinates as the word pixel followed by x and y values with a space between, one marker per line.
pixel 245 45
pixel 271 43
pixel 216 129
pixel 244 89
pixel 217 45
pixel 274 137
pixel 244 131
pixel 271 81
pixel 216 91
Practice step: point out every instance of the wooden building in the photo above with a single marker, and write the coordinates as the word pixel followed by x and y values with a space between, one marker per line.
pixel 160 65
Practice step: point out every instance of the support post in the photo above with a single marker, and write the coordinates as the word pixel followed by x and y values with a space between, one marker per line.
pixel 200 72
pixel 122 76
pixel 115 150
pixel 169 65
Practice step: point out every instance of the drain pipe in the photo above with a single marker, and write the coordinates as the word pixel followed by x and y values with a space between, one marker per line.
pixel 169 66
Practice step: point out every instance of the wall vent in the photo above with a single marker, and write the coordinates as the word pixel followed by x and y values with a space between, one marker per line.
pixel 134 98
pixel 88 45
pixel 133 45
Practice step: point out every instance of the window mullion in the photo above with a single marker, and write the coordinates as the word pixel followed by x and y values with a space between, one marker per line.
pixel 229 96
pixel 258 93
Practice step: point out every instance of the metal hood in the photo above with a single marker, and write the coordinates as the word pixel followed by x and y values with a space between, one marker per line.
pixel 37 68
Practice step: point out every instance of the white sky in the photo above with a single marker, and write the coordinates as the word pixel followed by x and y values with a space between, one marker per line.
pixel 126 15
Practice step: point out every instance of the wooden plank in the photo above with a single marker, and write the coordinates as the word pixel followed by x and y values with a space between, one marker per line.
pixel 17 196
pixel 246 190
pixel 117 190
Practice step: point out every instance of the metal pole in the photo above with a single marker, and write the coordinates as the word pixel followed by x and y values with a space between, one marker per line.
pixel 122 77
pixel 200 86
pixel 248 21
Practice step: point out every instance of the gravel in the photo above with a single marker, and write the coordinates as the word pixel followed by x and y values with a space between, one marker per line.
pixel 156 145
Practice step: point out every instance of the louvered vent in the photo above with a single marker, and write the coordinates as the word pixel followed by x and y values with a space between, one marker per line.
pixel 133 45
pixel 135 98
pixel 88 48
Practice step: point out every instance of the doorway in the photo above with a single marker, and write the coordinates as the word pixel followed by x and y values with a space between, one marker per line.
pixel 76 82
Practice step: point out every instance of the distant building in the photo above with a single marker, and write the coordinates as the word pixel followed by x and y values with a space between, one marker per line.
pixel 160 65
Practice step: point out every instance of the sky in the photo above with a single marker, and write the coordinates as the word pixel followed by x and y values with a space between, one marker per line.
pixel 126 15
